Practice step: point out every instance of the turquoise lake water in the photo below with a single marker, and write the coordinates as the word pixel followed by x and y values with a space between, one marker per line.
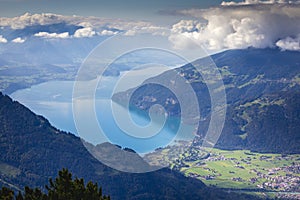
pixel 53 100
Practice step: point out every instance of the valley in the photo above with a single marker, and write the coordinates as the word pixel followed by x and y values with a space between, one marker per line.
pixel 150 100
pixel 263 174
pixel 262 119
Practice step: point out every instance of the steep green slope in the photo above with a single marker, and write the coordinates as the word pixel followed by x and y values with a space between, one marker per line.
pixel 262 90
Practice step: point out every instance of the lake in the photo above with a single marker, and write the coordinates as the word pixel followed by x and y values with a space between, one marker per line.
pixel 53 100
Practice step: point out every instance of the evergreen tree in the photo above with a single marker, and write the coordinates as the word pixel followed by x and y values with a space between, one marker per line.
pixel 62 188
pixel 19 196
pixel 34 194
pixel 6 194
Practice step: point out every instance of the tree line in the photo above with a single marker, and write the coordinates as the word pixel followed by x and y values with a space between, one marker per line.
pixel 64 187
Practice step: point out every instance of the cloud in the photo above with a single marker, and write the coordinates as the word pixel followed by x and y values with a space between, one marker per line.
pixel 28 19
pixel 239 25
pixel 292 44
pixel 52 35
pixel 253 2
pixel 84 32
pixel 79 33
pixel 150 29
pixel 2 39
pixel 18 40
pixel 91 25
pixel 108 32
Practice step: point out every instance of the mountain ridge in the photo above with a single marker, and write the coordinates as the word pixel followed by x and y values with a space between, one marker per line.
pixel 258 82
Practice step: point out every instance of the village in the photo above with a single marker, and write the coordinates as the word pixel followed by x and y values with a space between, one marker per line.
pixel 253 170
pixel 241 169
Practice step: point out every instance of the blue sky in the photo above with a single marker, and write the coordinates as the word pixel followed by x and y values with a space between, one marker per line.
pixel 126 9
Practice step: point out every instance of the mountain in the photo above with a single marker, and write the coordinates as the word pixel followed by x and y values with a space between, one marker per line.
pixel 39 60
pixel 263 98
pixel 28 31
pixel 32 151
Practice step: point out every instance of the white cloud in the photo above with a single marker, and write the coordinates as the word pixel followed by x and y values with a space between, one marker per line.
pixel 28 19
pixel 108 32
pixel 256 24
pixel 84 32
pixel 155 30
pixel 18 40
pixel 187 26
pixel 130 33
pixel 97 24
pixel 289 43
pixel 52 35
pixel 147 28
pixel 2 39
pixel 252 2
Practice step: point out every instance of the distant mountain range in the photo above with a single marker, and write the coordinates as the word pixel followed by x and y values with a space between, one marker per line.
pixel 32 151
pixel 263 98
pixel 34 60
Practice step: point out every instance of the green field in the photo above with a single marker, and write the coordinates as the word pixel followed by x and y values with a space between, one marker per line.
pixel 238 170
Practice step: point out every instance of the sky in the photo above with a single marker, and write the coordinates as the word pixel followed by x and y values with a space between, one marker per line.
pixel 125 9
pixel 214 24
pixel 98 7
